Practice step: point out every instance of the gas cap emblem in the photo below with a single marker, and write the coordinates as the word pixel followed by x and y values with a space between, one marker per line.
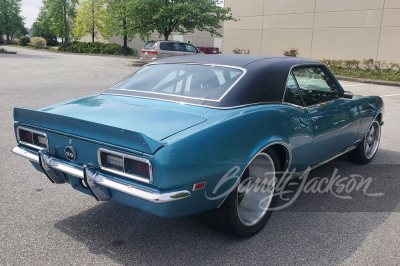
pixel 70 153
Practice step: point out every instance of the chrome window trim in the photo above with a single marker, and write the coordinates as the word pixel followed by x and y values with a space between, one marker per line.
pixel 291 73
pixel 29 144
pixel 318 105
pixel 314 106
pixel 205 106
pixel 178 96
pixel 124 174
pixel 295 106
pixel 284 93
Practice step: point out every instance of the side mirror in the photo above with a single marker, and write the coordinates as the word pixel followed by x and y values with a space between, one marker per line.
pixel 348 95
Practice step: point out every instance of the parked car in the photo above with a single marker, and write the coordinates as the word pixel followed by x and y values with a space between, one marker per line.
pixel 154 50
pixel 185 135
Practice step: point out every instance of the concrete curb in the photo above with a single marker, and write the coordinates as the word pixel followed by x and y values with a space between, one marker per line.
pixel 370 81
pixel 135 63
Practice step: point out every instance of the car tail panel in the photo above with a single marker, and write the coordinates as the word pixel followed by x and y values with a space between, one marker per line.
pixel 74 127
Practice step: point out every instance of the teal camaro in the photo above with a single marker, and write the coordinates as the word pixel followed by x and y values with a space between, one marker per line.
pixel 187 135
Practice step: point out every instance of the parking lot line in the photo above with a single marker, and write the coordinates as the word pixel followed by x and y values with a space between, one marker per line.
pixel 354 85
pixel 392 95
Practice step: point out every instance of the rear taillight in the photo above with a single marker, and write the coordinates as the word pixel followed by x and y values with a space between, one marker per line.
pixel 125 165
pixel 138 167
pixel 149 53
pixel 27 136
pixel 35 139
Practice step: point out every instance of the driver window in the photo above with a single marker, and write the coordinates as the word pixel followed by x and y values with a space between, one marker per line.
pixel 316 85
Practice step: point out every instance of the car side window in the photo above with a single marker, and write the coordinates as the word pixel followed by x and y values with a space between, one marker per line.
pixel 292 93
pixel 190 48
pixel 178 47
pixel 316 85
pixel 167 46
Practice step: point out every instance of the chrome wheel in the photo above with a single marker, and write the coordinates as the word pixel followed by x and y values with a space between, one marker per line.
pixel 255 192
pixel 371 141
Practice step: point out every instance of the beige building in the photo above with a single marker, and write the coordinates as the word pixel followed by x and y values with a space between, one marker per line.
pixel 320 29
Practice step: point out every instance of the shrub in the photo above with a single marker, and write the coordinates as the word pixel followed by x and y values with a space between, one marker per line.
pixel 51 42
pixel 366 64
pixel 133 52
pixel 96 48
pixel 292 52
pixel 38 42
pixel 11 42
pixel 240 51
pixel 1 40
pixel 367 68
pixel 24 40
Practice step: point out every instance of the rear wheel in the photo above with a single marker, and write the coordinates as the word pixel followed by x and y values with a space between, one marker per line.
pixel 367 148
pixel 247 208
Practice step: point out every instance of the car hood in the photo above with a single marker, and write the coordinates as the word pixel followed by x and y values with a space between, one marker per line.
pixel 152 120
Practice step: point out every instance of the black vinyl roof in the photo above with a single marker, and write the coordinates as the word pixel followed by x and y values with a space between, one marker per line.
pixel 238 60
pixel 265 80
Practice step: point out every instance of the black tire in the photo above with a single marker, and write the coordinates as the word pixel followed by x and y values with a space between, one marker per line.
pixel 367 148
pixel 230 217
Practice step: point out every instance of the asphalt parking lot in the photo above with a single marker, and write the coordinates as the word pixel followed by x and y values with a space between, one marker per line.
pixel 46 224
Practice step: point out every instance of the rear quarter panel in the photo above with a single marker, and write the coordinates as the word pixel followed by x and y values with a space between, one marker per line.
pixel 227 142
pixel 369 108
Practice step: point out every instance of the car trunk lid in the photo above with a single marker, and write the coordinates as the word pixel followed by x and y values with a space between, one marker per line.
pixel 125 123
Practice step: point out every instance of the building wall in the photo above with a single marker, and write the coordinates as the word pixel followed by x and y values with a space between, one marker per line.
pixel 331 29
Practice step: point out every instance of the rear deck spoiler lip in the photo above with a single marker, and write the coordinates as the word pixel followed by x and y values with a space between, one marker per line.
pixel 76 127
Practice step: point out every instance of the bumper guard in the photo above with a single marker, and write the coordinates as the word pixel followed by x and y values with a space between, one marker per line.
pixel 94 180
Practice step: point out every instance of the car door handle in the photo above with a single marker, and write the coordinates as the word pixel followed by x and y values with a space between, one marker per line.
pixel 314 119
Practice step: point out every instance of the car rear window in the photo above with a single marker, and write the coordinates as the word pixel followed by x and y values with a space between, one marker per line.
pixel 173 46
pixel 149 45
pixel 183 80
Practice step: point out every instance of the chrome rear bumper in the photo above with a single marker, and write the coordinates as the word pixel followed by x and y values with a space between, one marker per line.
pixel 94 180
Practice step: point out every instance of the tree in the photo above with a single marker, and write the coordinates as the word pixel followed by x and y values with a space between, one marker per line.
pixel 90 18
pixel 183 16
pixel 119 20
pixel 42 27
pixel 10 17
pixel 61 14
pixel 21 32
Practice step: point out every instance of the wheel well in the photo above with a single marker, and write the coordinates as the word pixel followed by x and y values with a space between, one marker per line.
pixel 379 117
pixel 283 153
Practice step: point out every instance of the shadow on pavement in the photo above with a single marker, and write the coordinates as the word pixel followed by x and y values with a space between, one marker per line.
pixel 317 228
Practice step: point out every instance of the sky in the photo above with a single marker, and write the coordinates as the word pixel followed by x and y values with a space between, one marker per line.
pixel 30 10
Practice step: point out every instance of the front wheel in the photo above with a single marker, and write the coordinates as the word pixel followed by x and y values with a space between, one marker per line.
pixel 248 207
pixel 367 148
